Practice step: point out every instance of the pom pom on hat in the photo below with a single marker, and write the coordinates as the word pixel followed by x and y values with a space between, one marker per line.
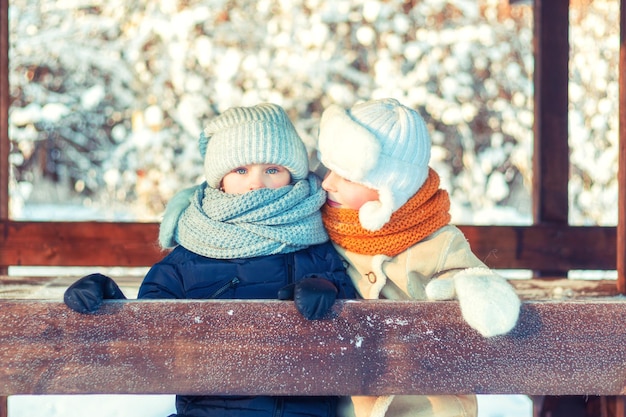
pixel 262 134
pixel 381 144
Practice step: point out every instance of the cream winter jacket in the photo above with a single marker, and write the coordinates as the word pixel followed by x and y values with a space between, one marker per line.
pixel 404 277
pixel 441 256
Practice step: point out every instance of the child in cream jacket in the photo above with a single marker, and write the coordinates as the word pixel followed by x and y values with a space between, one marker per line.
pixel 388 218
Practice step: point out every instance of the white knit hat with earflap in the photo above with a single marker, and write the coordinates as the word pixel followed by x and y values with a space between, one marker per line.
pixel 381 144
pixel 262 134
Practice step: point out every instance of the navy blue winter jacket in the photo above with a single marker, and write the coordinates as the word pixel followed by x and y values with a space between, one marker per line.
pixel 185 275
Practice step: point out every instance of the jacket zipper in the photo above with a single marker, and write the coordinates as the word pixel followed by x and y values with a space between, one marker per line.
pixel 221 290
pixel 290 268
pixel 278 411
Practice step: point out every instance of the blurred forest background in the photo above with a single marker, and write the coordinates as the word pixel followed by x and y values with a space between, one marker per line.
pixel 109 97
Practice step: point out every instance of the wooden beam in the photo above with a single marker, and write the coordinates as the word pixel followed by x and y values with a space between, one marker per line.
pixel 79 244
pixel 543 247
pixel 266 347
pixel 135 244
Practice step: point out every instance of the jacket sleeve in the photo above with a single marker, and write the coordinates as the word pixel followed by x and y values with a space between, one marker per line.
pixel 443 255
pixel 437 258
pixel 163 281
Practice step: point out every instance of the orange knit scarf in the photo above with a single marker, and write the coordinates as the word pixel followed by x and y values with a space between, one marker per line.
pixel 424 213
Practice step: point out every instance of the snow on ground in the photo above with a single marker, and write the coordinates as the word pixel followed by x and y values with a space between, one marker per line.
pixel 163 405
pixel 91 405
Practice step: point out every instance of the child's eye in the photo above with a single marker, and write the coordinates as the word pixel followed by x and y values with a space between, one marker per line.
pixel 272 170
pixel 240 170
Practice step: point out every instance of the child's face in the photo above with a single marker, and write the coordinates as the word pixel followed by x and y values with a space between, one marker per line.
pixel 344 193
pixel 255 176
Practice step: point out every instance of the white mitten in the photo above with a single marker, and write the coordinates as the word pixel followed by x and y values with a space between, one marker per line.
pixel 488 302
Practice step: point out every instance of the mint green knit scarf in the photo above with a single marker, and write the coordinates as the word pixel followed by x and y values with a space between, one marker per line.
pixel 262 222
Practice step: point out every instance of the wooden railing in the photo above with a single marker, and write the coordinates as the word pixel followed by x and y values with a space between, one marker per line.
pixel 266 347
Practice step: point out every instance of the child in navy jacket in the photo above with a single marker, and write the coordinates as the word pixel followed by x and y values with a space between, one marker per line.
pixel 252 230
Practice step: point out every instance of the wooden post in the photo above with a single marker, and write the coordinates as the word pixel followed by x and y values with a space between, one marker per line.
pixel 4 140
pixel 620 404
pixel 4 124
pixel 551 148
pixel 4 109
pixel 4 412
pixel 621 175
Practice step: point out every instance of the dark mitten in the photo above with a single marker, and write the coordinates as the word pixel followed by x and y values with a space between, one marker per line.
pixel 314 297
pixel 86 295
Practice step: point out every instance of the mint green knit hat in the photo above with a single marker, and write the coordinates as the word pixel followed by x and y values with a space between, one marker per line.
pixel 261 134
